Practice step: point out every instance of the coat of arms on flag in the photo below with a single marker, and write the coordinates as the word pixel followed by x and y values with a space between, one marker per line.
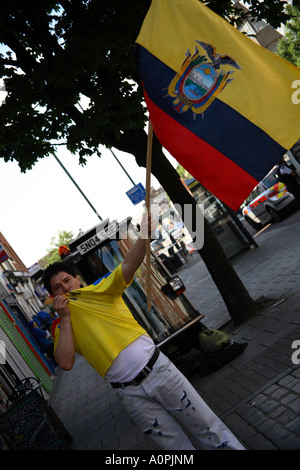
pixel 199 80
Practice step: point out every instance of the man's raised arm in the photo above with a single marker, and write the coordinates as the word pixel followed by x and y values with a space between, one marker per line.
pixel 136 254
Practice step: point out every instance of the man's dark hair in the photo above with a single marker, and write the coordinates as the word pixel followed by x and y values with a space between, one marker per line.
pixel 54 269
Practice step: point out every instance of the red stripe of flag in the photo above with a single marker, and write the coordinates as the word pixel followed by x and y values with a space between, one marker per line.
pixel 198 157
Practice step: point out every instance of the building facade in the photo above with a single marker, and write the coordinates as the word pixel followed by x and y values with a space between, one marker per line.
pixel 21 357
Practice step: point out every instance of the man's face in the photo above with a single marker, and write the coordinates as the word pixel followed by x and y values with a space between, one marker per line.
pixel 62 283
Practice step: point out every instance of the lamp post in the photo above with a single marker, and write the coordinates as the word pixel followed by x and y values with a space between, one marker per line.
pixel 79 189
pixel 122 167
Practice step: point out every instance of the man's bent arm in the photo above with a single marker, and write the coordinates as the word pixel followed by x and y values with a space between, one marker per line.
pixel 65 349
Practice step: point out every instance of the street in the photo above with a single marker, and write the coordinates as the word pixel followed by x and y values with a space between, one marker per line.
pixel 197 279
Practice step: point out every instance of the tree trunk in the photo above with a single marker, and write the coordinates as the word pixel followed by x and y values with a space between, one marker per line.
pixel 240 305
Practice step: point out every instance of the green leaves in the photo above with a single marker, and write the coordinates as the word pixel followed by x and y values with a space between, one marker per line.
pixel 289 46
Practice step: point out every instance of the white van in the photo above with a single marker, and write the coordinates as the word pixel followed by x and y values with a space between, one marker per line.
pixel 268 202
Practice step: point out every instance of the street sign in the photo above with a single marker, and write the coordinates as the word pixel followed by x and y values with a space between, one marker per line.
pixel 137 193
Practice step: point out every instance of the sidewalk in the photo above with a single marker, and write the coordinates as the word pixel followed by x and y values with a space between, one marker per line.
pixel 256 395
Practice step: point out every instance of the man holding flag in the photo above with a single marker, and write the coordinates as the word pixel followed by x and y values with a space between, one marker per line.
pixel 95 322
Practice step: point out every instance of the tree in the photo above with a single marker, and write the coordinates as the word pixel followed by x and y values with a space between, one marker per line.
pixel 63 238
pixel 289 45
pixel 270 10
pixel 183 173
pixel 58 51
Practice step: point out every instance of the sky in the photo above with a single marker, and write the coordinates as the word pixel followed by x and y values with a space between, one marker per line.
pixel 36 205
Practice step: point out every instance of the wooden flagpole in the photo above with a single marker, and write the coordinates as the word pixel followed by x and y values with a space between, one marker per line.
pixel 148 182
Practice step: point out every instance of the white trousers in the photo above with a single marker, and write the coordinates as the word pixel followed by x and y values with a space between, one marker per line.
pixel 166 394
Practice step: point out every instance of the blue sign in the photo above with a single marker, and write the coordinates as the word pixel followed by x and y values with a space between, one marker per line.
pixel 137 193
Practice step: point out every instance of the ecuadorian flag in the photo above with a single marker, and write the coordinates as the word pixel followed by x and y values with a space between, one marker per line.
pixel 218 102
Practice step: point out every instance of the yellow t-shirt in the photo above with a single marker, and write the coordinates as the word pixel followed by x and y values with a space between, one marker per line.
pixel 101 322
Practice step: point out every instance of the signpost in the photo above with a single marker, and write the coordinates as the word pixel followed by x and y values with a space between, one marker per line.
pixel 30 424
pixel 136 194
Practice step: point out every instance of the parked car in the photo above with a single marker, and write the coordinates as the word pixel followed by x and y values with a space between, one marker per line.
pixel 268 202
